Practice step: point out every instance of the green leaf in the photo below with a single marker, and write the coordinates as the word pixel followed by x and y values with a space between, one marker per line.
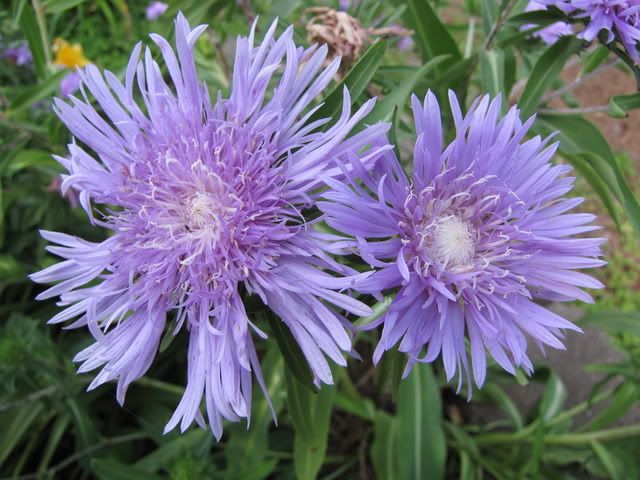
pixel 580 137
pixel 620 105
pixel 396 98
pixel 59 6
pixel 34 29
pixel 356 81
pixel 432 36
pixel 113 470
pixel 14 425
pixel 171 450
pixel 553 397
pixel 615 322
pixel 545 71
pixel 594 59
pixel 625 396
pixel 25 98
pixel 293 356
pixel 310 414
pixel 247 448
pixel 536 17
pixel 502 400
pixel 492 72
pixel 385 456
pixel 421 440
pixel 608 461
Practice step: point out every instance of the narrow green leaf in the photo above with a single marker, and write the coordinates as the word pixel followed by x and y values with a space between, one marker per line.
pixel 608 461
pixel 432 36
pixel 25 98
pixel 545 71
pixel 492 72
pixel 614 322
pixel 536 17
pixel 625 396
pixel 171 450
pixel 293 356
pixel 502 400
pixel 310 414
pixel 385 456
pixel 579 136
pixel 14 425
pixel 33 26
pixel 59 6
pixel 489 14
pixel 553 397
pixel 620 105
pixel 108 469
pixel 421 440
pixel 594 59
pixel 356 81
pixel 396 98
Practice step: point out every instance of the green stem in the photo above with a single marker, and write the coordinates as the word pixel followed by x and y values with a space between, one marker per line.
pixel 598 436
pixel 525 433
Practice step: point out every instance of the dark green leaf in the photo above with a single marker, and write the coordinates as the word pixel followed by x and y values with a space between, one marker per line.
pixel 432 36
pixel 545 71
pixel 293 356
pixel 59 6
pixel 33 27
pixel 610 463
pixel 15 424
pixel 113 470
pixel 553 397
pixel 620 105
pixel 502 400
pixel 356 81
pixel 25 98
pixel 579 136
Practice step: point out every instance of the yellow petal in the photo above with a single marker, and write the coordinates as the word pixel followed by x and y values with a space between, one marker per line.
pixel 68 55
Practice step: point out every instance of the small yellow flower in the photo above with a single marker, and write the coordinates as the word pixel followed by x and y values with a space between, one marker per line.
pixel 68 55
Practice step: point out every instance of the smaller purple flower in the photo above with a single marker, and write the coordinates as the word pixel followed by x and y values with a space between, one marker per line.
pixel 479 232
pixel 618 18
pixel 155 10
pixel 550 34
pixel 405 43
pixel 343 5
pixel 70 84
pixel 20 54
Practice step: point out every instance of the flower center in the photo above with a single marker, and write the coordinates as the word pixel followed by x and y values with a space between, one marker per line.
pixel 452 241
pixel 202 216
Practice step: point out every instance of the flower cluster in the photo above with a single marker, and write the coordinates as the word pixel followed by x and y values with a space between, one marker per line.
pixel 479 231
pixel 617 19
pixel 205 203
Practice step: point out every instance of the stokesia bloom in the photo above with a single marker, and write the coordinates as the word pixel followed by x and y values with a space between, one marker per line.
pixel 20 54
pixel 616 18
pixel 478 233
pixel 204 202
pixel 155 10
pixel 551 33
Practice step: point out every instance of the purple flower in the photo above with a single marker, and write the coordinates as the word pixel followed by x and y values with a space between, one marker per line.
pixel 618 18
pixel 204 201
pixel 20 55
pixel 70 83
pixel 551 33
pixel 155 10
pixel 478 233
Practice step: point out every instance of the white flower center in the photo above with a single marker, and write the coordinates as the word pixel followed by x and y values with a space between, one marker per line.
pixel 202 216
pixel 452 242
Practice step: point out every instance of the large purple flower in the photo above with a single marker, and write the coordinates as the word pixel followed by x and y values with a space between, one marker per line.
pixel 618 18
pixel 477 234
pixel 204 200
